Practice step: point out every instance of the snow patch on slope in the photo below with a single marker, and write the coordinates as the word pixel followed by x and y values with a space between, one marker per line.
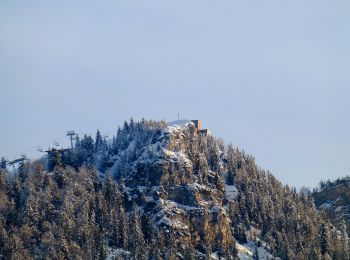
pixel 246 251
pixel 117 253
pixel 180 123
pixel 177 126
pixel 177 157
pixel 231 192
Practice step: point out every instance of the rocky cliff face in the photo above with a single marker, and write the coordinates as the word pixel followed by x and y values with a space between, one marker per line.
pixel 334 199
pixel 180 201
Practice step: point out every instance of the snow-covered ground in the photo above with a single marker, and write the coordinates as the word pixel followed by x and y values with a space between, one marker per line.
pixel 117 253
pixel 246 251
pixel 180 123
pixel 231 192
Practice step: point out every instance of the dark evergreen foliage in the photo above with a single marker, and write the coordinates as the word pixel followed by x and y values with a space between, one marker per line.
pixel 67 211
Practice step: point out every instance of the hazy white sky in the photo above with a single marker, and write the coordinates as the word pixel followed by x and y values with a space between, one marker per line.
pixel 271 77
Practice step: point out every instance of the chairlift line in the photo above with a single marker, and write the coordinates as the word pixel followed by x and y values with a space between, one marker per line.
pixel 71 134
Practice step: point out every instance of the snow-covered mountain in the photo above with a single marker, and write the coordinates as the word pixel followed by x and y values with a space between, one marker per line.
pixel 163 183
pixel 159 191
pixel 183 189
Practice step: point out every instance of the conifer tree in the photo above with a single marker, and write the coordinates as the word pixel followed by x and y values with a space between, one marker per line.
pixel 324 239
pixel 137 245
pixel 3 163
pixel 345 249
pixel 98 141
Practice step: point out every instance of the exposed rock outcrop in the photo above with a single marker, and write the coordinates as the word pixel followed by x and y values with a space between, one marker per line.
pixel 163 185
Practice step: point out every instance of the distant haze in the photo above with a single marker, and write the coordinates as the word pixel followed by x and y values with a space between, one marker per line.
pixel 271 77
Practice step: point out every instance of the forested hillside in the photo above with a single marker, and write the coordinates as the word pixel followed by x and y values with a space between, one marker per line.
pixel 158 191
pixel 333 198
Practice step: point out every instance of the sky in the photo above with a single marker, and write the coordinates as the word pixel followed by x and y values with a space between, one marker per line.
pixel 271 77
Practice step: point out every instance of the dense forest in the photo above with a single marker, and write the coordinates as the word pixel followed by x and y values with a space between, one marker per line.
pixel 157 192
